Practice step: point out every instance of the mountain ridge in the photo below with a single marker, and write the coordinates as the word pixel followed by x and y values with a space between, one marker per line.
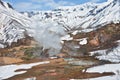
pixel 84 15
pixel 13 25
pixel 59 23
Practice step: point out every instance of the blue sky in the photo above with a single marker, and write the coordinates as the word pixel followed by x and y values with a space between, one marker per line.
pixel 29 5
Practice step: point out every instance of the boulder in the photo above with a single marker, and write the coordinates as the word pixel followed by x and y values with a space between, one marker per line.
pixel 94 42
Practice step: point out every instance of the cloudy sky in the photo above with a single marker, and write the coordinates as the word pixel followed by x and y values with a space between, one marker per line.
pixel 29 5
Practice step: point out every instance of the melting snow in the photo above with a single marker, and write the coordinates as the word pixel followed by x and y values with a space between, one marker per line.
pixel 83 41
pixel 115 68
pixel 9 70
pixel 112 56
pixel 75 32
pixel 33 78
pixel 67 37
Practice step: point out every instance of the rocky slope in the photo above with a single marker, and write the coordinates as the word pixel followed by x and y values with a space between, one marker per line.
pixel 77 30
pixel 81 34
pixel 102 43
pixel 66 24
pixel 13 25
pixel 88 15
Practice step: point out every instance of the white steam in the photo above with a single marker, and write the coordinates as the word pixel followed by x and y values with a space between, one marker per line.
pixel 48 35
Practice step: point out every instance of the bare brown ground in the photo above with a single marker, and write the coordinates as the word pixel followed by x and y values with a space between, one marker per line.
pixel 57 69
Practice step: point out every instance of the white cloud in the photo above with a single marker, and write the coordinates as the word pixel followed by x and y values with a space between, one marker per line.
pixel 41 5
pixel 65 3
pixel 25 6
pixel 95 0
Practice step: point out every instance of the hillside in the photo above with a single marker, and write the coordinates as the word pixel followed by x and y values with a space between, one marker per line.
pixel 73 28
pixel 79 42
pixel 13 26
pixel 90 21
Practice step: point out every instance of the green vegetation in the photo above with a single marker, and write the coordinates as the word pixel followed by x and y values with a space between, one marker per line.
pixel 30 53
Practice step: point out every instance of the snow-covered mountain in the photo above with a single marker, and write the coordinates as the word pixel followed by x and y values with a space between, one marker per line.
pixel 13 25
pixel 73 19
pixel 52 28
pixel 81 16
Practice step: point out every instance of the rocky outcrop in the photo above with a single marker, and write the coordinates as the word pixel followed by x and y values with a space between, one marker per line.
pixel 13 26
pixel 99 39
pixel 94 42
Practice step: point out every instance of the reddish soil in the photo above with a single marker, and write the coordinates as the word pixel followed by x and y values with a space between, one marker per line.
pixel 58 69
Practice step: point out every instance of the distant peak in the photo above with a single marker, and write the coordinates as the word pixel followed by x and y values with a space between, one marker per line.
pixel 5 4
pixel 10 6
pixel 114 1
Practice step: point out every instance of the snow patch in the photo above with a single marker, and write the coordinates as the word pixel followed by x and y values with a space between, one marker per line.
pixel 75 32
pixel 9 70
pixel 115 68
pixel 83 41
pixel 33 78
pixel 112 56
pixel 67 38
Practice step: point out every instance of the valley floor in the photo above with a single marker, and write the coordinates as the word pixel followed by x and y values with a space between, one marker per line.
pixel 61 69
pixel 96 57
